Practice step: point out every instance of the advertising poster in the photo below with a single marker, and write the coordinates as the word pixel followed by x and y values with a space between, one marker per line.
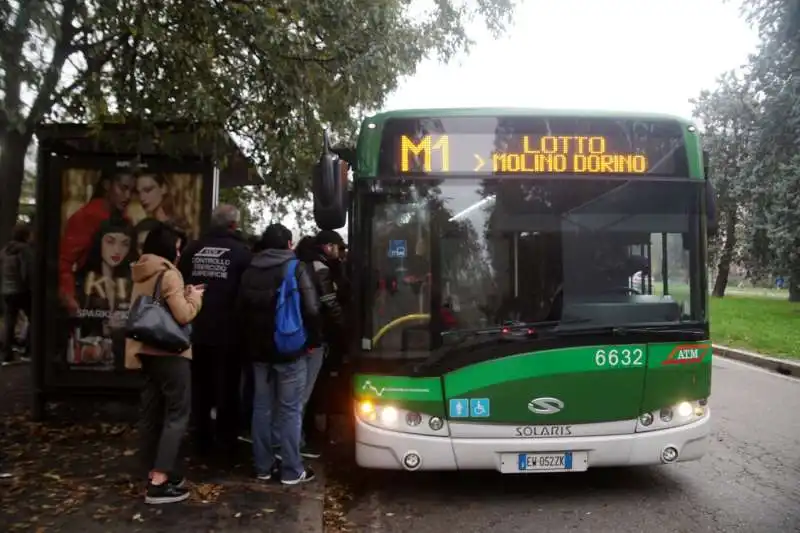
pixel 105 217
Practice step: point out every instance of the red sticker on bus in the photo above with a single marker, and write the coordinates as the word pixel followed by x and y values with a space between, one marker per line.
pixel 687 354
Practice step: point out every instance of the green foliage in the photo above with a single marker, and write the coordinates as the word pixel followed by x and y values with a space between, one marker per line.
pixel 758 172
pixel 775 178
pixel 729 116
pixel 274 74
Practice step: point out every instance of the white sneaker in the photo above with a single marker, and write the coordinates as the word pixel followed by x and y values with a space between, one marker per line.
pixel 305 477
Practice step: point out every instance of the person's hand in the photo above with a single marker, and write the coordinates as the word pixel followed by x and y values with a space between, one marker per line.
pixel 196 289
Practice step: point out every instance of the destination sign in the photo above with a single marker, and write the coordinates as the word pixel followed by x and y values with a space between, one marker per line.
pixel 567 146
pixel 542 154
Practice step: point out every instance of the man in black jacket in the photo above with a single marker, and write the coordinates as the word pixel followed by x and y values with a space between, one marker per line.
pixel 332 324
pixel 216 260
pixel 279 378
pixel 16 278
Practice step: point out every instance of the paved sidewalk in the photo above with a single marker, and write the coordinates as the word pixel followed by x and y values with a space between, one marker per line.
pixel 78 472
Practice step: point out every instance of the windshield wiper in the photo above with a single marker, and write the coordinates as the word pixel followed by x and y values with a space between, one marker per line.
pixel 661 327
pixel 511 327
pixel 644 327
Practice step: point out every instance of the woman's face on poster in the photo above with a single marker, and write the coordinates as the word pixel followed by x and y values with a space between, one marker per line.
pixel 151 194
pixel 119 191
pixel 115 248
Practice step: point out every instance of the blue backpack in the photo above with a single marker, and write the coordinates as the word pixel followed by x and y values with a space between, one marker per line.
pixel 290 333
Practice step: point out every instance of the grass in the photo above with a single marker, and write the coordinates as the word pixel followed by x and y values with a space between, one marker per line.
pixel 758 323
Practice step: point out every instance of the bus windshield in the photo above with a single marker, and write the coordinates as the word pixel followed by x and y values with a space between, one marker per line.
pixel 469 253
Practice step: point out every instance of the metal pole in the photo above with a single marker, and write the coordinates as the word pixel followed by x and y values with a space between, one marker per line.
pixel 515 244
pixel 215 188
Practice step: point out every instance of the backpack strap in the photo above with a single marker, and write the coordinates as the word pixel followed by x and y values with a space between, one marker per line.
pixel 291 267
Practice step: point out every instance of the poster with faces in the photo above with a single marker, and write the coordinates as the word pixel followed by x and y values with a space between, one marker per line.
pixel 106 215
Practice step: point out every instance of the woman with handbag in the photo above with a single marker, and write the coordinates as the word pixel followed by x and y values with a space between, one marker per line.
pixel 158 343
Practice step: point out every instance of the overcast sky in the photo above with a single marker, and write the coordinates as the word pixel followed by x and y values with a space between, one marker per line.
pixel 636 55
pixel 627 55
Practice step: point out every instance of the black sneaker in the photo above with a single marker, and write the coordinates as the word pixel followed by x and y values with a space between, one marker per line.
pixel 177 481
pixel 309 453
pixel 165 493
pixel 274 473
pixel 305 477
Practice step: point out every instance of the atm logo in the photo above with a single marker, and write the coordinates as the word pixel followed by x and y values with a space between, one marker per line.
pixel 687 354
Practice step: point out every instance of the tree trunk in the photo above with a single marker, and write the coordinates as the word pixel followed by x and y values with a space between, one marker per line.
pixel 13 146
pixel 726 254
pixel 794 282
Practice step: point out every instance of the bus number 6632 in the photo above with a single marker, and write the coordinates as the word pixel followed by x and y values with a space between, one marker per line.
pixel 615 357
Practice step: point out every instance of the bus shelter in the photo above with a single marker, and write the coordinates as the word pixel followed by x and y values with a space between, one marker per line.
pixel 99 191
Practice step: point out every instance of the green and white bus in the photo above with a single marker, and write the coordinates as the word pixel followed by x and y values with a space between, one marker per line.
pixel 530 288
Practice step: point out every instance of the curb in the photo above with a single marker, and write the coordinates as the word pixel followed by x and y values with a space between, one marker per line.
pixel 781 366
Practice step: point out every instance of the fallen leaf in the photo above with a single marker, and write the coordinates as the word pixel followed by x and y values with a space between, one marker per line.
pixel 128 453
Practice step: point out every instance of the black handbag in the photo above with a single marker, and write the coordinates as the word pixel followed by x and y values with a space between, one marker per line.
pixel 151 323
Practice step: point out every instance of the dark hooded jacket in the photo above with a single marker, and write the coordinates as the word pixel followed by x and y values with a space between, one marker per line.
pixel 332 316
pixel 216 260
pixel 16 268
pixel 256 302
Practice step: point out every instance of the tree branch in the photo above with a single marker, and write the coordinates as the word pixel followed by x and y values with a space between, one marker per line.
pixel 61 51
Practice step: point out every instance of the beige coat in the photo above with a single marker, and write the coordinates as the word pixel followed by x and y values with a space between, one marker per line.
pixel 184 306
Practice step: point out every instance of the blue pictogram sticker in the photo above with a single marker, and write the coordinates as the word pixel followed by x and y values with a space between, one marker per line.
pixel 397 248
pixel 479 407
pixel 459 408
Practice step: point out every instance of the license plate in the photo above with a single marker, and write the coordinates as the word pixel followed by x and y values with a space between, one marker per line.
pixel 544 462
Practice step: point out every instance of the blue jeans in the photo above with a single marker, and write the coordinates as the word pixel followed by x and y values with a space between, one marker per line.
pixel 314 362
pixel 278 395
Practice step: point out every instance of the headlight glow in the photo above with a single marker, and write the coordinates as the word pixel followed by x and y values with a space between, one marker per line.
pixel 395 418
pixel 685 409
pixel 389 416
pixel 674 415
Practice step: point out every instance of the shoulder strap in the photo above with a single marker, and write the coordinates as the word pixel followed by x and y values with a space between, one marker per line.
pixel 291 267
pixel 157 287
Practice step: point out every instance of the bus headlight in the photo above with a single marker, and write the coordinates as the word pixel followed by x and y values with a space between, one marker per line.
pixel 413 419
pixel 395 418
pixel 670 416
pixel 436 423
pixel 366 410
pixel 685 409
pixel 389 416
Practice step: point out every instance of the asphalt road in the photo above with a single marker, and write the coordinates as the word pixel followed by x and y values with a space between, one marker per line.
pixel 749 482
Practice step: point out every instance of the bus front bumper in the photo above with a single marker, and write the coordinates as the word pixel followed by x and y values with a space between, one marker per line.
pixel 388 450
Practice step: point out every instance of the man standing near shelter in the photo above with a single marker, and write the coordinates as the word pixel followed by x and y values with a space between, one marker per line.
pixel 275 287
pixel 216 260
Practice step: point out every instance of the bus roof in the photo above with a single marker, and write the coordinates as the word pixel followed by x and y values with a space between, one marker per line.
pixel 381 117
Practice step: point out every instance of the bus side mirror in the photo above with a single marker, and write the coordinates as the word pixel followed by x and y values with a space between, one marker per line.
pixel 329 186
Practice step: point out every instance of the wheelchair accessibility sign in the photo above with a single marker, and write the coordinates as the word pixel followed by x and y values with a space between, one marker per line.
pixel 469 408
pixel 479 407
